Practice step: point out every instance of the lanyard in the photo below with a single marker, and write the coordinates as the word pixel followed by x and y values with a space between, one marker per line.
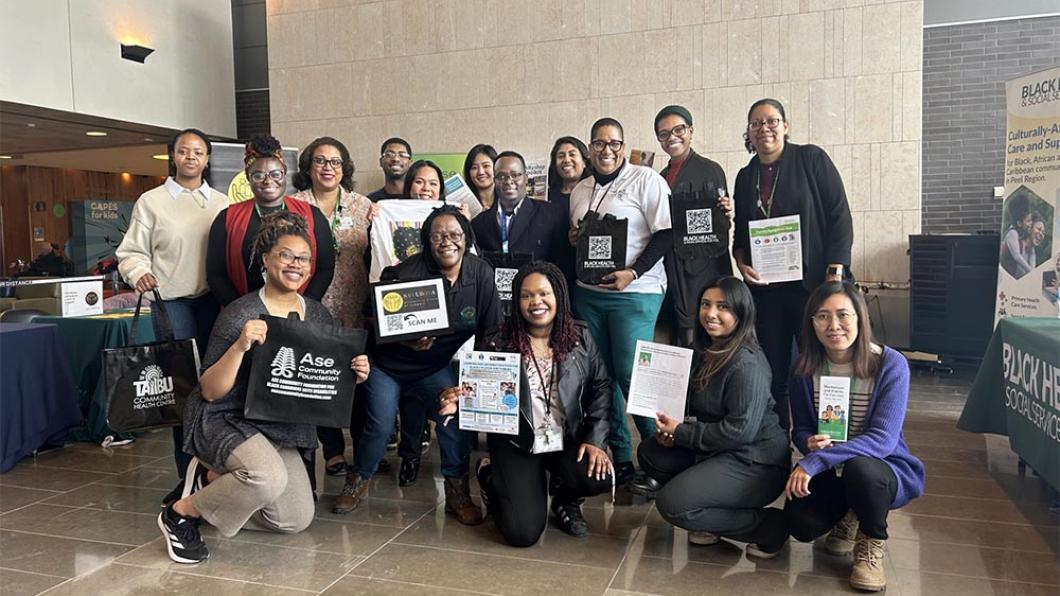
pixel 546 389
pixel 504 230
pixel 282 207
pixel 604 196
pixel 766 209
pixel 336 216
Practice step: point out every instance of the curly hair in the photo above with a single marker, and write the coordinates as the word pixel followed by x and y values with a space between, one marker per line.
pixel 516 333
pixel 275 226
pixel 302 181
pixel 262 146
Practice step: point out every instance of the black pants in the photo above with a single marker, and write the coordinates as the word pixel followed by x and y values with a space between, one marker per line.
pixel 868 487
pixel 411 423
pixel 685 279
pixel 331 439
pixel 779 320
pixel 519 487
pixel 721 494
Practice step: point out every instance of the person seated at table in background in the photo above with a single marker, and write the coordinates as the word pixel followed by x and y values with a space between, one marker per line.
pixel 232 270
pixel 48 261
pixel 164 249
pixel 849 487
pixel 420 369
pixel 715 474
pixel 256 477
pixel 564 406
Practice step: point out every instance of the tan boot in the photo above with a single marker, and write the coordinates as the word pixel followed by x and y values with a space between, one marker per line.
pixel 867 573
pixel 458 501
pixel 840 540
pixel 352 493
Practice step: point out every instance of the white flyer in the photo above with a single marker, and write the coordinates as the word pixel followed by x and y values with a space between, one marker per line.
pixel 489 392
pixel 776 248
pixel 660 380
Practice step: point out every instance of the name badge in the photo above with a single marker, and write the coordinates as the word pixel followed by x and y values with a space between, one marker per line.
pixel 345 222
pixel 548 439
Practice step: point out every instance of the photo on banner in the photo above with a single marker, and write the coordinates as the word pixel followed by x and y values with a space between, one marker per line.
pixel 1029 258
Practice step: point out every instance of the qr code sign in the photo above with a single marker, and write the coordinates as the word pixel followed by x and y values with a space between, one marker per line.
pixel 599 247
pixel 699 221
pixel 503 278
pixel 394 323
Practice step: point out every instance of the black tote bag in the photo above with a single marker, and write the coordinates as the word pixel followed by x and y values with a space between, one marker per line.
pixel 701 228
pixel 148 384
pixel 601 247
pixel 302 375
pixel 505 266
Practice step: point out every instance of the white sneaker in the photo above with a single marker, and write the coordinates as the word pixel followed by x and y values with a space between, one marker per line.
pixel 703 538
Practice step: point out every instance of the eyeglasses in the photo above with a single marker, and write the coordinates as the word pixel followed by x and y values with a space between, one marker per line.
pixel 393 154
pixel 677 131
pixel 845 317
pixel 443 237
pixel 598 145
pixel 287 257
pixel 770 123
pixel 274 175
pixel 334 162
pixel 514 177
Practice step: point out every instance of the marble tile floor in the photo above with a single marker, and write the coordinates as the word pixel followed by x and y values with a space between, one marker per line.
pixel 81 520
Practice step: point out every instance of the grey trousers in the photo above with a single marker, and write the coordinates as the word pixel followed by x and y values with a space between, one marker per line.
pixel 266 488
pixel 721 494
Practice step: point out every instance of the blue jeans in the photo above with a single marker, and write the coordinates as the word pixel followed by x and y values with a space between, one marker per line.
pixel 190 317
pixel 383 392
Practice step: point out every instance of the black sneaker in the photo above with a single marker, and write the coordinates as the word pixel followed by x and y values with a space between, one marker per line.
pixel 484 474
pixel 643 485
pixel 425 442
pixel 624 472
pixel 197 472
pixel 570 518
pixel 182 538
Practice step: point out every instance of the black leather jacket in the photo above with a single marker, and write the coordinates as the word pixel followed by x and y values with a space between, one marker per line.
pixel 584 390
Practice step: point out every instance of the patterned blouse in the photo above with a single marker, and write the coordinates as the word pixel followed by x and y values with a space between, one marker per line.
pixel 349 225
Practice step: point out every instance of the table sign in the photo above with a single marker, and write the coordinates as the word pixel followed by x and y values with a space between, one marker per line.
pixel 78 296
pixel 410 310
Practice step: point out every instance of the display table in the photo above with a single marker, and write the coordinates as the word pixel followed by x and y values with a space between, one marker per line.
pixel 1017 392
pixel 85 338
pixel 38 401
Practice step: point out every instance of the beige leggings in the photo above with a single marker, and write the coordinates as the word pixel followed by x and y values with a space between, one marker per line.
pixel 266 488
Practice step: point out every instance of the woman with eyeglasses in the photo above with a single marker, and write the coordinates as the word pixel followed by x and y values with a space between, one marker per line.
pixel 232 269
pixel 165 248
pixel 565 390
pixel 478 174
pixel 248 474
pixel 421 368
pixel 847 488
pixel 785 179
pixel 624 308
pixel 568 164
pixel 325 180
pixel 689 172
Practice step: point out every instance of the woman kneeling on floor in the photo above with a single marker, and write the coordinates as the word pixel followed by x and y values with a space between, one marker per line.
pixel 849 487
pixel 714 473
pixel 261 482
pixel 564 406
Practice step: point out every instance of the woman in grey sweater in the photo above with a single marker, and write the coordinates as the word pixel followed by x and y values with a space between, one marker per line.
pixel 255 471
pixel 715 472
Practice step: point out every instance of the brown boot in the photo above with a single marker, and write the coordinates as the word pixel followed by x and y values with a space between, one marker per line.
pixel 458 501
pixel 840 540
pixel 867 573
pixel 352 493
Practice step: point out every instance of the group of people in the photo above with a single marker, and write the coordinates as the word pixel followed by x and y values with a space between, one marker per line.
pixel 715 472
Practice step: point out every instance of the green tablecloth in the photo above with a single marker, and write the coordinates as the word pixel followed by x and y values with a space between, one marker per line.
pixel 85 339
pixel 1017 392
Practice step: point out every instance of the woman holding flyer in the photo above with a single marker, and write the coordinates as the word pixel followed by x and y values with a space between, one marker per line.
pixel 564 404
pixel 850 477
pixel 420 368
pixel 716 472
pixel 787 188
pixel 248 473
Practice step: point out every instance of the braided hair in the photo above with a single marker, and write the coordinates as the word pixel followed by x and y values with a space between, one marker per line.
pixel 275 226
pixel 516 333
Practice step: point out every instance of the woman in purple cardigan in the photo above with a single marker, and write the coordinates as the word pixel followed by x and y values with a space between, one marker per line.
pixel 849 486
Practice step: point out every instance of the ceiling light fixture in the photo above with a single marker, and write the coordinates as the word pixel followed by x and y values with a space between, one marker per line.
pixel 95 133
pixel 135 53
pixel 5 157
pixel 161 156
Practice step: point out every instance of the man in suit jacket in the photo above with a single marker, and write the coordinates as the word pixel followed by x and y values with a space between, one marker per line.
pixel 688 172
pixel 518 225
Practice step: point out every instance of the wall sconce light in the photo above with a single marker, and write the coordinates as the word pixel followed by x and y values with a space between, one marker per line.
pixel 135 53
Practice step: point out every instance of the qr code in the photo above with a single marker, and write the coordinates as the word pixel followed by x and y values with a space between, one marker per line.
pixel 699 221
pixel 503 278
pixel 394 323
pixel 599 247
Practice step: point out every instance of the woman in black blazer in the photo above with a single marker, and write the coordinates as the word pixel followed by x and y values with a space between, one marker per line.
pixel 788 179
pixel 564 386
